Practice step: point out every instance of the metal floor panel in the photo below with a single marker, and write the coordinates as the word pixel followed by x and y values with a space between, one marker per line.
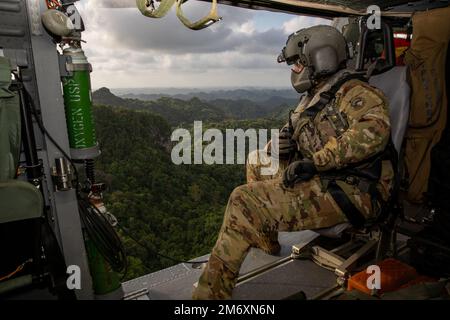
pixel 176 282
pixel 285 281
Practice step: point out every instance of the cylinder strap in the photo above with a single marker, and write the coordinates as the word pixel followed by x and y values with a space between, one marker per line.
pixel 70 67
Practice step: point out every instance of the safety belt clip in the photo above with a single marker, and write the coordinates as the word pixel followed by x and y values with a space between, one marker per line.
pixel 325 183
pixel 351 180
pixel 326 96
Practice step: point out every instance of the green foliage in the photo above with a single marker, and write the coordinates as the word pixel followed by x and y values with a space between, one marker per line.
pixel 176 210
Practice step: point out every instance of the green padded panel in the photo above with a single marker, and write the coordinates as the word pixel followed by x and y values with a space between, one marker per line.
pixel 19 200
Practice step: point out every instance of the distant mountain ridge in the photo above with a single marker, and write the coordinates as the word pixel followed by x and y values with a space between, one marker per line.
pixel 181 111
pixel 256 95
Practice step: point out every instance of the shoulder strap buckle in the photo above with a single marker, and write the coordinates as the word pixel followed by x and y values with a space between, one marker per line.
pixel 326 96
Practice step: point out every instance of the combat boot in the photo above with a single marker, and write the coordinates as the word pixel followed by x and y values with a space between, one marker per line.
pixel 216 282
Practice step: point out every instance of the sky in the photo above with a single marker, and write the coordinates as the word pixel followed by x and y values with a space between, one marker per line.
pixel 129 50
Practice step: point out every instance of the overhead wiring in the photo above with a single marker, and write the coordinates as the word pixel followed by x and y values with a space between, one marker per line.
pixel 16 271
pixel 53 4
pixel 102 233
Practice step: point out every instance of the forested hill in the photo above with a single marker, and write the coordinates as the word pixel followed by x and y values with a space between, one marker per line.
pixel 176 210
pixel 177 111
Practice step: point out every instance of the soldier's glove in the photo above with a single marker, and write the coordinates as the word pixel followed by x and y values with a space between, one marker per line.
pixel 286 145
pixel 298 171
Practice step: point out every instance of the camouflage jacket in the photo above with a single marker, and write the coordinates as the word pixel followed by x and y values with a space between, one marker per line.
pixel 350 129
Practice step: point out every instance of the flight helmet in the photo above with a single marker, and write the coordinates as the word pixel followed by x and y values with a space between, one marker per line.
pixel 322 50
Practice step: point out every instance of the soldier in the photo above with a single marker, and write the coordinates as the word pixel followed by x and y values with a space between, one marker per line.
pixel 332 167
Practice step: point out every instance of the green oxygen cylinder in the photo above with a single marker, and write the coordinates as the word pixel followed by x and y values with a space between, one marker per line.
pixel 76 83
pixel 105 281
pixel 78 105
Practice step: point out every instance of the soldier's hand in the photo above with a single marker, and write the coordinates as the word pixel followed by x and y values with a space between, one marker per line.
pixel 285 144
pixel 298 171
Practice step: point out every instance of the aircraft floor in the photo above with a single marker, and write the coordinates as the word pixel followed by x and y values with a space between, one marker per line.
pixel 280 282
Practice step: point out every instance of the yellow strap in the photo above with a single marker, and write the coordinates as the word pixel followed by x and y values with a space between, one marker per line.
pixel 206 21
pixel 147 7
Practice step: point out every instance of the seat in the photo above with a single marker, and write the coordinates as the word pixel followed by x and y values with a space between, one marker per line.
pixel 19 201
pixel 394 85
pixel 380 235
pixel 31 256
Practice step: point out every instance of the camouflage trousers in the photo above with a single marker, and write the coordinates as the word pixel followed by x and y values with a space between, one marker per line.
pixel 256 212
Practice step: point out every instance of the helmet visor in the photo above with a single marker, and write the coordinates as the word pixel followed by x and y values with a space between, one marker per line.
pixel 290 60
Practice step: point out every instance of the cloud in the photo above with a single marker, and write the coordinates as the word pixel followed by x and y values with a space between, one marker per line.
pixel 125 32
pixel 301 22
pixel 128 28
pixel 246 28
pixel 127 49
pixel 115 3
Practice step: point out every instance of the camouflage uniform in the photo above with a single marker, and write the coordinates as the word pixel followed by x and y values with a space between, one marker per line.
pixel 259 209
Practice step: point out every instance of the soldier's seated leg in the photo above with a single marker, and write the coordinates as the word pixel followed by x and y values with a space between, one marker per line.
pixel 216 282
pixel 254 214
pixel 259 159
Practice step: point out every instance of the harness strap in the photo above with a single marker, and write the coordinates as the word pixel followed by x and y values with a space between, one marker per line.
pixel 354 216
pixel 327 96
pixel 364 179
